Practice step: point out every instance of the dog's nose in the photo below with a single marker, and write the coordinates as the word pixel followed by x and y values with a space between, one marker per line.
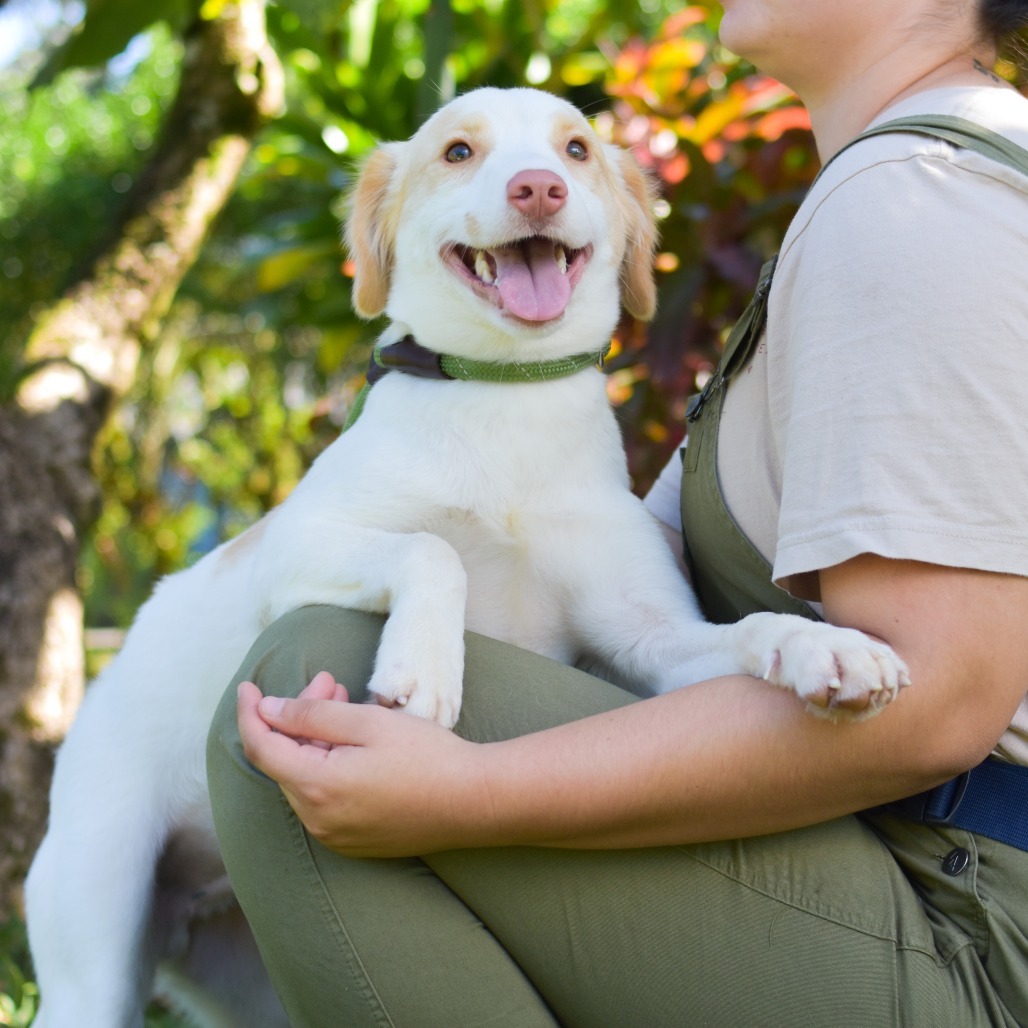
pixel 539 194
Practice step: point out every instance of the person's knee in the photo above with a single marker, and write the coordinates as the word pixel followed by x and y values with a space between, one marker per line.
pixel 289 653
pixel 292 650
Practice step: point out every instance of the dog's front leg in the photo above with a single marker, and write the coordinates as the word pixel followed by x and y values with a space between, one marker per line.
pixel 837 671
pixel 417 578
pixel 638 615
pixel 655 643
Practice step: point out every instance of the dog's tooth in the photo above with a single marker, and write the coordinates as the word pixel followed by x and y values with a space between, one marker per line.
pixel 562 259
pixel 482 267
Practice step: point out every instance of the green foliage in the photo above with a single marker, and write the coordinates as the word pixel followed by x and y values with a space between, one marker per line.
pixel 18 994
pixel 68 156
pixel 108 28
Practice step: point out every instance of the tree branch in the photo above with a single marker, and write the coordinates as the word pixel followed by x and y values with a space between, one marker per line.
pixel 79 360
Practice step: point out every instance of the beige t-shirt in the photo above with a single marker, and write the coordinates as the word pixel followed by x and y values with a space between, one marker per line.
pixel 886 410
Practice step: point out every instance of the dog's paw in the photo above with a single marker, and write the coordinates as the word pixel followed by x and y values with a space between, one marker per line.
pixel 422 686
pixel 838 672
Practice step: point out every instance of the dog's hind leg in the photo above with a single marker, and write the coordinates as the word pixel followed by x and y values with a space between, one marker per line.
pixel 89 893
pixel 87 907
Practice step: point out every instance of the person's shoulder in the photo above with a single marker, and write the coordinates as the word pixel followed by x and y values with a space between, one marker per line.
pixel 885 182
pixel 1004 111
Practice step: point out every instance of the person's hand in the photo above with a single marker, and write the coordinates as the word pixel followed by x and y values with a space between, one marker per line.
pixel 364 780
pixel 321 687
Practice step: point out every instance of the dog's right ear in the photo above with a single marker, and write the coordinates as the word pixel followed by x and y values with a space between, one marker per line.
pixel 371 230
pixel 638 288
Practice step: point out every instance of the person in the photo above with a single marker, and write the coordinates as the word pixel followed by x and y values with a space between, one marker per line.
pixel 717 855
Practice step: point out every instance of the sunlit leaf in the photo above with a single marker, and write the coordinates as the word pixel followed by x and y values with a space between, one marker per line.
pixel 685 19
pixel 772 125
pixel 717 115
pixel 679 53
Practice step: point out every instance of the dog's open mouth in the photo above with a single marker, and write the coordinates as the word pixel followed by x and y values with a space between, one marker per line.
pixel 531 279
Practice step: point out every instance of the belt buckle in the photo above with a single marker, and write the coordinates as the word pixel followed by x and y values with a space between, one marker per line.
pixel 943 802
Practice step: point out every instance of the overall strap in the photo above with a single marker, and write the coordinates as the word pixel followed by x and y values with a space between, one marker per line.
pixel 730 576
pixel 958 131
pixel 728 573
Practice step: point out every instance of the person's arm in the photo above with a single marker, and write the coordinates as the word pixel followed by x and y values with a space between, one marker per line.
pixel 721 759
pixel 674 542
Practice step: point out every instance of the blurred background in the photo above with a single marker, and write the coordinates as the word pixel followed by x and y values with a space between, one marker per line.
pixel 224 358
pixel 251 371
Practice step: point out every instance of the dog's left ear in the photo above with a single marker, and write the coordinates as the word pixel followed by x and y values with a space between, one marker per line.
pixel 371 230
pixel 638 288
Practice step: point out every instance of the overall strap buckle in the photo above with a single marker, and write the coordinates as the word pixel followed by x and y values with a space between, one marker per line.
pixel 741 343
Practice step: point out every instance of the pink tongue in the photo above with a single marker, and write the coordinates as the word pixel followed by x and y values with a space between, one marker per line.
pixel 531 284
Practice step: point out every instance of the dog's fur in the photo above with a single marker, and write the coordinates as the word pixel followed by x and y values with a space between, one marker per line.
pixel 503 507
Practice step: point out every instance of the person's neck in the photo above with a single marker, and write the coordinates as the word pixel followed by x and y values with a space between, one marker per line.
pixel 840 115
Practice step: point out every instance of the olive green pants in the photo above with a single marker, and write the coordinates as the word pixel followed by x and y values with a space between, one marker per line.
pixel 854 922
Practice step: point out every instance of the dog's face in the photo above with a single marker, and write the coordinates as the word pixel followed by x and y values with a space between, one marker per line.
pixel 504 227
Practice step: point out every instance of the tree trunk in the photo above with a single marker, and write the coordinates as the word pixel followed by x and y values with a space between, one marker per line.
pixel 79 361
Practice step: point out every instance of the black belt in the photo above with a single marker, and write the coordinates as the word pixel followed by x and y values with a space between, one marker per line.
pixel 990 799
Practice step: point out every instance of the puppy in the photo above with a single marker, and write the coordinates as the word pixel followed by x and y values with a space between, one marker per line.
pixel 502 235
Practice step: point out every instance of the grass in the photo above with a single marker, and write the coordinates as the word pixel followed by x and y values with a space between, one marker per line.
pixel 19 997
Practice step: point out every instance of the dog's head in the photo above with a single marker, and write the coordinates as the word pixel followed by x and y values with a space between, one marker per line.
pixel 504 223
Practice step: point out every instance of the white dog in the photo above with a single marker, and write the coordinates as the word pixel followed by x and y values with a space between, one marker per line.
pixel 503 232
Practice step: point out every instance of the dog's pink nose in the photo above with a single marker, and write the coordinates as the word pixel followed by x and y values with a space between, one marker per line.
pixel 539 194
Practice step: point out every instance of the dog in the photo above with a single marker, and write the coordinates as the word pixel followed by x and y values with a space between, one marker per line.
pixel 506 235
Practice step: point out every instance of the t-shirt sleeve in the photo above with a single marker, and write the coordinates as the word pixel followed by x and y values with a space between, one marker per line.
pixel 664 498
pixel 902 378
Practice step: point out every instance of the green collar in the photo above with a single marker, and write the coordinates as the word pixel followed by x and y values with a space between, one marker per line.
pixel 410 357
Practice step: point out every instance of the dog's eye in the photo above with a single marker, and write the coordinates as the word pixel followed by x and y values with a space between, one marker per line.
pixel 577 150
pixel 458 152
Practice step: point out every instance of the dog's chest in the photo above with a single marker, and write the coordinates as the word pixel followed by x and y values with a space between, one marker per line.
pixel 516 587
pixel 519 521
pixel 512 477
